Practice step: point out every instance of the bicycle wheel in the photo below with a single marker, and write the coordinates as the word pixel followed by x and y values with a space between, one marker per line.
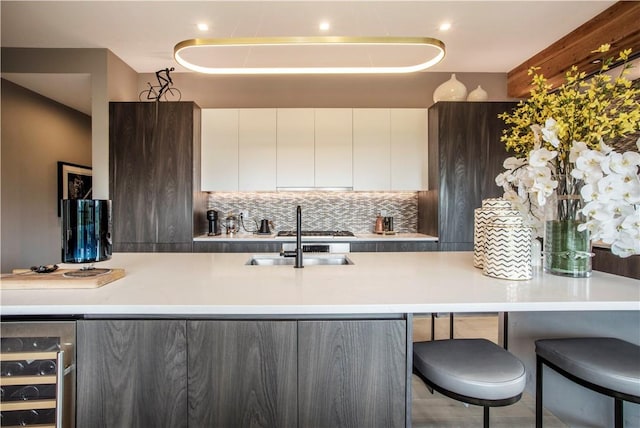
pixel 147 95
pixel 172 94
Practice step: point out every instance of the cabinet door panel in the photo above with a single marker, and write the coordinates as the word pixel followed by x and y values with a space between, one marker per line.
pixel 151 182
pixel 172 172
pixel 352 373
pixel 132 374
pixel 408 141
pixel 371 149
pixel 242 373
pixel 295 148
pixel 129 123
pixel 334 147
pixel 220 150
pixel 467 156
pixel 257 149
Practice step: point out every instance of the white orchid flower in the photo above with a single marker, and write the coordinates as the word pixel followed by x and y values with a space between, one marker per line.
pixel 604 148
pixel 540 157
pixel 624 163
pixel 576 148
pixel 625 246
pixel 512 163
pixel 610 187
pixel 589 192
pixel 631 224
pixel 589 165
pixel 549 133
pixel 542 189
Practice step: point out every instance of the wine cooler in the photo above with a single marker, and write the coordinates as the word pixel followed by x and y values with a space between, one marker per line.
pixel 37 374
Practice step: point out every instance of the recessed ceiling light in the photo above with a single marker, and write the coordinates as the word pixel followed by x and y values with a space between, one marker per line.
pixel 203 27
pixel 324 26
pixel 445 26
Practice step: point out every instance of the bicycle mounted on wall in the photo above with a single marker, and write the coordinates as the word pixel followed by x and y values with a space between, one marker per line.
pixel 164 91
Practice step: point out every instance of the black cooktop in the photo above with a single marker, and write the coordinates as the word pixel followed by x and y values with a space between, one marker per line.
pixel 328 233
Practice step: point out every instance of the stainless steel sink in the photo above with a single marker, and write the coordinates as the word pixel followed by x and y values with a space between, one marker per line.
pixel 310 260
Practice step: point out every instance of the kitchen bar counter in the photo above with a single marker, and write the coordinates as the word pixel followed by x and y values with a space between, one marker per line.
pixel 378 283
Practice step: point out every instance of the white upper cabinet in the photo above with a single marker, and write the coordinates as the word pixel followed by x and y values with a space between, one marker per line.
pixel 371 149
pixel 366 149
pixel 408 143
pixel 257 149
pixel 219 150
pixel 295 148
pixel 334 147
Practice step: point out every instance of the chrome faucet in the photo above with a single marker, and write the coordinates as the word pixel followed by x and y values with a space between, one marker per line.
pixel 298 251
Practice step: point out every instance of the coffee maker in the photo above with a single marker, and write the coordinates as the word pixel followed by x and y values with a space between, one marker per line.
pixel 214 224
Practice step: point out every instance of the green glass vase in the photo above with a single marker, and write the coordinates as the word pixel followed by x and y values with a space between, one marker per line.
pixel 567 250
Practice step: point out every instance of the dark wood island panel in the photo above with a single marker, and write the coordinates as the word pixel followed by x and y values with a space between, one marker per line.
pixel 132 373
pixel 352 373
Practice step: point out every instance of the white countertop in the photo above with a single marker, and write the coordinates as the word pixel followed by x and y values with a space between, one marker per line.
pixel 378 283
pixel 250 237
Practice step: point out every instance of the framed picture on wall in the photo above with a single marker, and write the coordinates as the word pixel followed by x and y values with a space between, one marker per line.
pixel 74 182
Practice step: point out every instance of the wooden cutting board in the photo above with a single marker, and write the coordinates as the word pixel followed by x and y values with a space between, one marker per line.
pixel 24 279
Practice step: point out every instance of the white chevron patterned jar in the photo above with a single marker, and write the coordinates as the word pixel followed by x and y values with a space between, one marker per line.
pixel 508 249
pixel 490 208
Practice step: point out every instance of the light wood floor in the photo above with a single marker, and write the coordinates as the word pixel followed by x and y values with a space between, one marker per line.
pixel 435 410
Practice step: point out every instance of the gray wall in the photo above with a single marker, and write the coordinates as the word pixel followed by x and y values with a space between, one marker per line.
pixel 36 134
pixel 111 80
pixel 399 90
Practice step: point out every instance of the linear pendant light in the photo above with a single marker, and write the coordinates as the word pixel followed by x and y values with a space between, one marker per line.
pixel 208 55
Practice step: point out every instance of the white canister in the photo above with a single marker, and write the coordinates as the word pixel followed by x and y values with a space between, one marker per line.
pixel 490 207
pixel 508 249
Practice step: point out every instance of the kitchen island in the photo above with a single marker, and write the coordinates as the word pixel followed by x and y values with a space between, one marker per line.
pixel 382 283
pixel 319 345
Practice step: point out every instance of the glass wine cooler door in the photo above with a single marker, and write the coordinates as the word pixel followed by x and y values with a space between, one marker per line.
pixel 37 374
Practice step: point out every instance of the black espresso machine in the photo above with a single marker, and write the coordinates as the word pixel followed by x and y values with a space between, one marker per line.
pixel 214 223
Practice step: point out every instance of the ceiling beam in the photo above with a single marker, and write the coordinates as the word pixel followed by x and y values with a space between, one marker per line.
pixel 618 26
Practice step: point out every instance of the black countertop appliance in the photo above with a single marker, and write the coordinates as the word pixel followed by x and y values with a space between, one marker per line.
pixel 214 224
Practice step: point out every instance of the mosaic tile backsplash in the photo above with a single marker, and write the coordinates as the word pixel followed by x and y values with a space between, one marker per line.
pixel 353 211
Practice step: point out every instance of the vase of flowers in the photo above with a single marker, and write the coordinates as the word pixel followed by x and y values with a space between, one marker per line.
pixel 567 249
pixel 566 171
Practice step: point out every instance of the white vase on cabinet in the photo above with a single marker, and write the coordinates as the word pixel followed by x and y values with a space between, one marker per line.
pixel 478 94
pixel 451 90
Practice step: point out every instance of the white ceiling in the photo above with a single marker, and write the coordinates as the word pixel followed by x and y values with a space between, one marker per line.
pixel 486 36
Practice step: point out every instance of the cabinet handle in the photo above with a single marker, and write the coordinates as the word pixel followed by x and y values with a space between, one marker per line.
pixel 59 388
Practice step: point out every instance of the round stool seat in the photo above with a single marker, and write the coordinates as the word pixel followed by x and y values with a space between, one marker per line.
pixel 604 361
pixel 475 368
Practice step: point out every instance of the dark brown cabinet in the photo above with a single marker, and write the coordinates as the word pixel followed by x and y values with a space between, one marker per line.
pixel 465 156
pixel 131 373
pixel 154 175
pixel 352 373
pixel 242 374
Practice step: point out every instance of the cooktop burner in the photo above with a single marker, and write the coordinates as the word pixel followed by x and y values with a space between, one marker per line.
pixel 328 233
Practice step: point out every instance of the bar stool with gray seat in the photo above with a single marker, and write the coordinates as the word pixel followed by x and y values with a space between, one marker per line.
pixel 603 364
pixel 474 371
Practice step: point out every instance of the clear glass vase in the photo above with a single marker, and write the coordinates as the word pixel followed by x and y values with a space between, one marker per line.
pixel 567 250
